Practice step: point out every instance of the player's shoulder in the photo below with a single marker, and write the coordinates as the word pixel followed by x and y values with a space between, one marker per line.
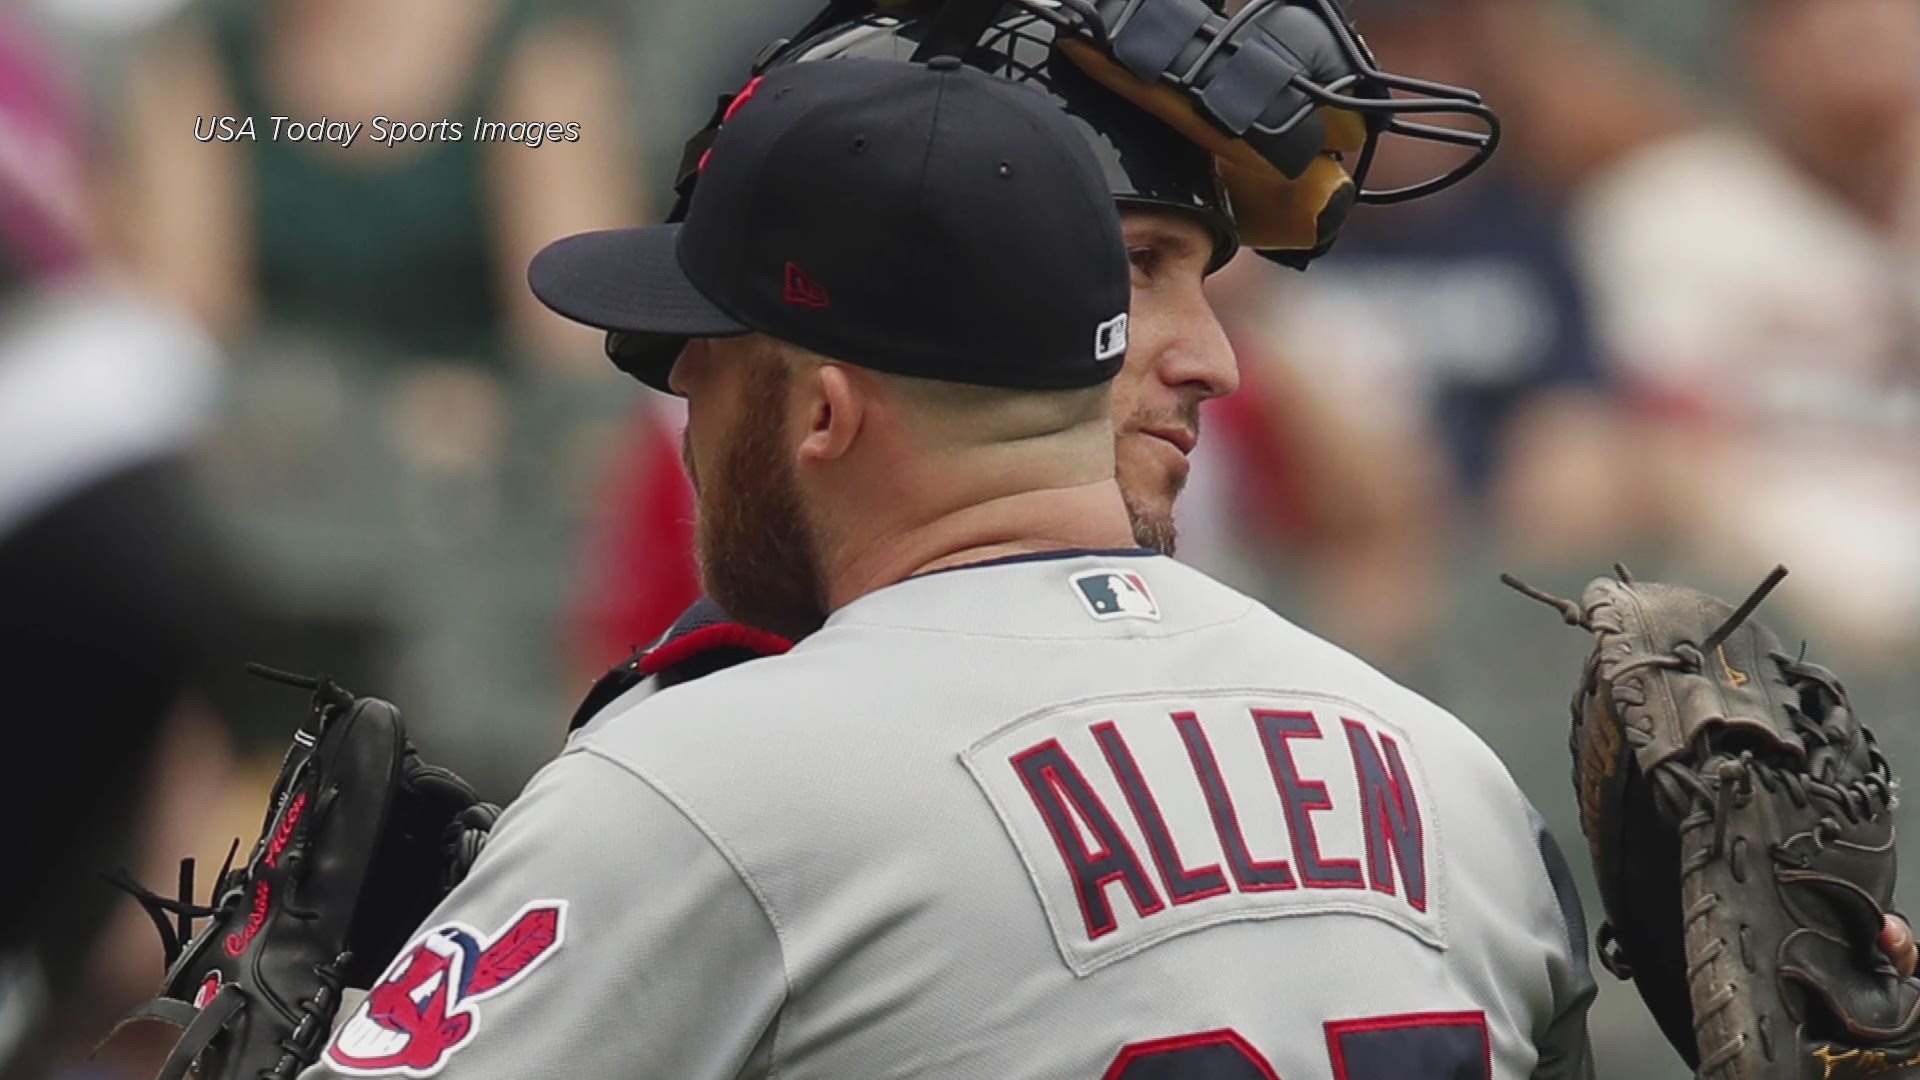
pixel 1477 794
pixel 920 646
pixel 1474 774
pixel 1305 660
pixel 720 716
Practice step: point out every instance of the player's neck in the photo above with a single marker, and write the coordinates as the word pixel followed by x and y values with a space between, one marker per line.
pixel 1088 515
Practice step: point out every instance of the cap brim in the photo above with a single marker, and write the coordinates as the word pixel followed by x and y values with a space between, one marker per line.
pixel 629 283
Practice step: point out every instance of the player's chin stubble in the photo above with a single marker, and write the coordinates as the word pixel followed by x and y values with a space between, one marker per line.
pixel 1149 494
pixel 1152 525
pixel 756 551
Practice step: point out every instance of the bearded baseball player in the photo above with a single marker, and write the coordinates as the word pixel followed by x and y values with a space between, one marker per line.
pixel 1026 799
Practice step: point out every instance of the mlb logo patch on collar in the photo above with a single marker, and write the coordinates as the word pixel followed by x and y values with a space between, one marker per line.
pixel 1115 594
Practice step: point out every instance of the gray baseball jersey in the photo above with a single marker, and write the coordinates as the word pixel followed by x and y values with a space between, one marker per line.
pixel 1083 817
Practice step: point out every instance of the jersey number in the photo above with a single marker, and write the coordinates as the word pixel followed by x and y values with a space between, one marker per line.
pixel 1414 1046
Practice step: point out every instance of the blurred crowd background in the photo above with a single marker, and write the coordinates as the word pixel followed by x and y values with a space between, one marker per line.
pixel 309 415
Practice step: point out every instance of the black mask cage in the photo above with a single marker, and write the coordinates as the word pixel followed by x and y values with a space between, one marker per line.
pixel 1386 101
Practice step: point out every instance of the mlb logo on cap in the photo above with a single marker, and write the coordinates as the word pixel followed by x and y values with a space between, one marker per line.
pixel 1110 339
pixel 1115 594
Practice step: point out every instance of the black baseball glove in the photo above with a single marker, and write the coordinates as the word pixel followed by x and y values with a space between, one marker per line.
pixel 361 841
pixel 1740 821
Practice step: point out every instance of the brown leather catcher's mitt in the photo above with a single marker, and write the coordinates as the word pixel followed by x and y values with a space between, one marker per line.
pixel 1740 821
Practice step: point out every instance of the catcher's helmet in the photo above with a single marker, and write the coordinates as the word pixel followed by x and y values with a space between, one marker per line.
pixel 1276 83
pixel 1147 163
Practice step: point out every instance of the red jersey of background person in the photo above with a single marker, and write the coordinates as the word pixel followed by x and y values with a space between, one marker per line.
pixel 1263 461
pixel 641 572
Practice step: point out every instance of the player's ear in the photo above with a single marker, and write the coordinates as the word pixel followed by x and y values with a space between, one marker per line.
pixel 832 408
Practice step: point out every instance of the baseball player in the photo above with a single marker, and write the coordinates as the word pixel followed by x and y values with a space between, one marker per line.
pixel 1030 801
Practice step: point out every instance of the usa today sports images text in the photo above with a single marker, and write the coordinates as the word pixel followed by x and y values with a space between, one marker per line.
pixel 383 130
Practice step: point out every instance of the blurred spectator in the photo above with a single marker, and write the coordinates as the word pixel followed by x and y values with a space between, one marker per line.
pixel 402 446
pixel 688 53
pixel 1463 315
pixel 1760 286
pixel 1437 377
pixel 419 249
pixel 1294 490
pixel 117 606
pixel 1574 96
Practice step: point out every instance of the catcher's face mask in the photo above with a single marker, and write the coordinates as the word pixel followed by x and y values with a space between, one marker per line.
pixel 1283 100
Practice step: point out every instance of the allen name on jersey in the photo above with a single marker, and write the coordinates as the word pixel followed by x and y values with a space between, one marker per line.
pixel 1287 804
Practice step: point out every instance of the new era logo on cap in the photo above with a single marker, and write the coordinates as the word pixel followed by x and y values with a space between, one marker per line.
pixel 803 291
pixel 1115 594
pixel 1110 340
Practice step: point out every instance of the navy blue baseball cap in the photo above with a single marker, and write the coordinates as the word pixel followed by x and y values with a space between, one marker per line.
pixel 920 219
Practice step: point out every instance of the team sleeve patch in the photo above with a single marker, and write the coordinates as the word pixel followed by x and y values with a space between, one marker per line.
pixel 428 1004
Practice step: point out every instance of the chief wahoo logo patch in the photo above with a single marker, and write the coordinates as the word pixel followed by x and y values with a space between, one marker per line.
pixel 427 1005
